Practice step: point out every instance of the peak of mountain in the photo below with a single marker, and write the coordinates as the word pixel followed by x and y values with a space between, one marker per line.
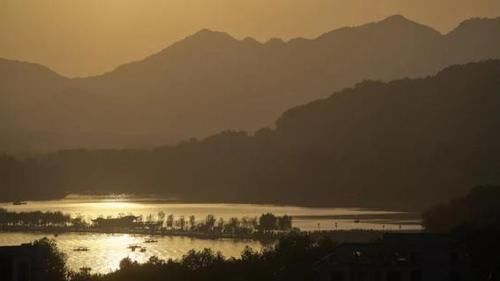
pixel 207 36
pixel 211 81
pixel 390 27
pixel 401 23
pixel 202 45
pixel 397 19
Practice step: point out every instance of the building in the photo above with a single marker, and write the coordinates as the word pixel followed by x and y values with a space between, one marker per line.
pixel 21 263
pixel 397 257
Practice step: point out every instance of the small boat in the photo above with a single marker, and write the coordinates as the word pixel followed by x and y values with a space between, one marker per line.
pixel 18 203
pixel 81 249
pixel 149 241
pixel 85 269
pixel 133 247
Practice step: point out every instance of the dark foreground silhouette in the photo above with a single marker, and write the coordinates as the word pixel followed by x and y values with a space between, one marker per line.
pixel 298 257
pixel 467 250
pixel 480 208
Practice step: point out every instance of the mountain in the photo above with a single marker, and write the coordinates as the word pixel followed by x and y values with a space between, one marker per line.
pixel 405 144
pixel 210 82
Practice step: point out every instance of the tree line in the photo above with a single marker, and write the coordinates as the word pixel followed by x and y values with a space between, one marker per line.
pixel 162 223
pixel 34 219
pixel 291 258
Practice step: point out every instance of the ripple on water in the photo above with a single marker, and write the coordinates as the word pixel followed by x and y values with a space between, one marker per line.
pixel 107 250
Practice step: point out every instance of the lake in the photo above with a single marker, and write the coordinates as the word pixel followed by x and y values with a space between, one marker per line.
pixel 106 250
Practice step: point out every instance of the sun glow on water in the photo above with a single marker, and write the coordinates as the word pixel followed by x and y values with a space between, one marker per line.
pixel 105 251
pixel 113 205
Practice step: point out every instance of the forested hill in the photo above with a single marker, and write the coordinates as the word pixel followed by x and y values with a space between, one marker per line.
pixel 407 144
pixel 210 81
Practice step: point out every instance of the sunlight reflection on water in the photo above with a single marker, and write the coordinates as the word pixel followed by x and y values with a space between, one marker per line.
pixel 107 250
pixel 305 218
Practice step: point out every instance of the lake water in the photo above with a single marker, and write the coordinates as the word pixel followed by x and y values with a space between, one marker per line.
pixel 106 251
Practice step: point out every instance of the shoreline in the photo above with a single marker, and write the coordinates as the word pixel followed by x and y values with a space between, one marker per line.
pixel 160 200
pixel 263 237
pixel 339 236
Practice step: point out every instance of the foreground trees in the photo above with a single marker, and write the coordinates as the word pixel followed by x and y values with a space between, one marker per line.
pixel 474 220
pixel 292 258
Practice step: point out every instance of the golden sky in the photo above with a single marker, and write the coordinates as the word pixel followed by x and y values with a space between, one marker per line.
pixel 86 37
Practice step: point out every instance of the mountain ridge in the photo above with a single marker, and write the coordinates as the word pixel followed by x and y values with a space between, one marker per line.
pixel 204 31
pixel 404 144
pixel 211 82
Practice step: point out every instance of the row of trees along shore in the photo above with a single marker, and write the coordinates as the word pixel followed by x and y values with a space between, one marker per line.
pixel 248 227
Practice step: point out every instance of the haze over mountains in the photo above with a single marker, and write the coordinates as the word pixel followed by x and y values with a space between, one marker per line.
pixel 405 144
pixel 211 82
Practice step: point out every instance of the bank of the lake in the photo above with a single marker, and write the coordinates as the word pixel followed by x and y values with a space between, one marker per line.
pixel 105 251
pixel 306 219
pixel 103 248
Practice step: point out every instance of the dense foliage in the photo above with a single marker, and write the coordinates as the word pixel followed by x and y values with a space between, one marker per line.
pixel 475 220
pixel 292 258
pixel 53 261
pixel 36 218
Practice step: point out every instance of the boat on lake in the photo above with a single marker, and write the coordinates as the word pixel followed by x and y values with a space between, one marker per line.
pixel 134 247
pixel 149 241
pixel 18 203
pixel 81 249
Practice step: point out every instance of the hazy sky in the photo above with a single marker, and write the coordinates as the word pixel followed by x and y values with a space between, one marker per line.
pixel 84 37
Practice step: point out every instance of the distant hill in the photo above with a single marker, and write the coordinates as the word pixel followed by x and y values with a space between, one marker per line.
pixel 479 209
pixel 210 82
pixel 405 144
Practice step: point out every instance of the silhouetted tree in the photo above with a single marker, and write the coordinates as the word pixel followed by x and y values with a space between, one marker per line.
pixel 54 261
pixel 268 222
